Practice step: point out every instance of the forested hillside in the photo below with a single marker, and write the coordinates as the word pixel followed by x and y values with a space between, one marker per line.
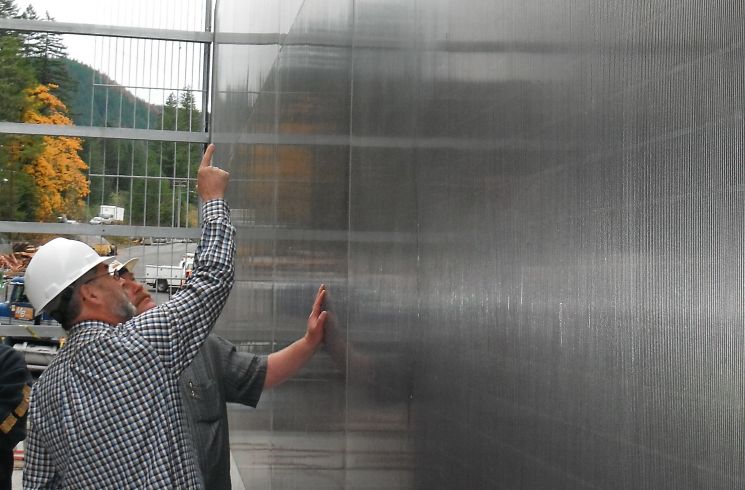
pixel 113 106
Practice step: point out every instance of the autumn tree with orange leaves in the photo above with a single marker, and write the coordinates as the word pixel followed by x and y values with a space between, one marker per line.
pixel 57 170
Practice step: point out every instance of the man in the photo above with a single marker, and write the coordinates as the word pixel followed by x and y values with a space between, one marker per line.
pixel 107 413
pixel 15 388
pixel 220 374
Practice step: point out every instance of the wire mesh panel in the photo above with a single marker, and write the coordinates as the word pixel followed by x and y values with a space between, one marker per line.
pixel 153 181
pixel 130 85
pixel 113 106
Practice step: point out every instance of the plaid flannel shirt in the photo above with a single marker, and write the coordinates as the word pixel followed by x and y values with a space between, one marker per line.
pixel 107 412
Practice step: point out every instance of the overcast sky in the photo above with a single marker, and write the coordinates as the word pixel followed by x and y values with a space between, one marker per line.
pixel 164 14
pixel 134 63
pixel 154 69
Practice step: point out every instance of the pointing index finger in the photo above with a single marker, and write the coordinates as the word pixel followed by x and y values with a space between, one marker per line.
pixel 207 158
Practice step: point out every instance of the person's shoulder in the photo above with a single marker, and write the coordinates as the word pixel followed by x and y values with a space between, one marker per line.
pixel 9 357
pixel 102 341
pixel 13 370
pixel 7 350
pixel 213 338
pixel 216 343
pixel 217 351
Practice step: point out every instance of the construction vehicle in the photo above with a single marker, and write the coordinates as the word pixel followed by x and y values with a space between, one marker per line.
pixel 111 213
pixel 165 277
pixel 16 305
pixel 36 336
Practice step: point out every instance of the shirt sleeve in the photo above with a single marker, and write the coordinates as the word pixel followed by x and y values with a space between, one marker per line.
pixel 243 373
pixel 178 328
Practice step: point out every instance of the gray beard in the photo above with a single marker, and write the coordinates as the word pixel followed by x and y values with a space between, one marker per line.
pixel 125 310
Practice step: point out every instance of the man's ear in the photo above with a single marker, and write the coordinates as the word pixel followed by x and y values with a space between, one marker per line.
pixel 90 294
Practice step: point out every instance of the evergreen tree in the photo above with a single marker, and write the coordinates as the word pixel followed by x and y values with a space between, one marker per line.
pixel 167 151
pixel 188 155
pixel 170 113
pixel 15 75
pixel 191 117
pixel 32 41
pixel 188 163
pixel 8 9
pixel 18 194
pixel 46 53
pixel 176 163
pixel 180 112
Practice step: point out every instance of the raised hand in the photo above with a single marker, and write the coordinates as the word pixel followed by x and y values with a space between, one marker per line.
pixel 212 181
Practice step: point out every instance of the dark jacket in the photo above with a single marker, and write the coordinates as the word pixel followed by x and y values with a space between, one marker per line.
pixel 15 388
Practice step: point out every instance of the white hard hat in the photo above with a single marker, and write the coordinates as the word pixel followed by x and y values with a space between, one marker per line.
pixel 115 265
pixel 55 266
